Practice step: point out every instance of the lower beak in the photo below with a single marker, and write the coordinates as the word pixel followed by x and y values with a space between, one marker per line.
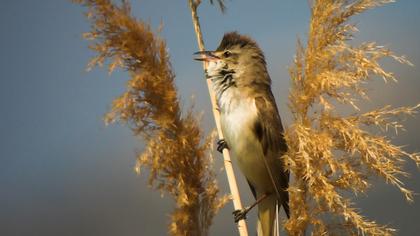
pixel 206 56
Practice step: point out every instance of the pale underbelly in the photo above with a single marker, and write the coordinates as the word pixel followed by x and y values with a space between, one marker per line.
pixel 247 151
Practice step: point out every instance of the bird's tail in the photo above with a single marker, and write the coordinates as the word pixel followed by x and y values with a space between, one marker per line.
pixel 268 217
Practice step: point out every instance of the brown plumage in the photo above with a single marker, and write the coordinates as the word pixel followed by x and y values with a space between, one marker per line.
pixel 250 122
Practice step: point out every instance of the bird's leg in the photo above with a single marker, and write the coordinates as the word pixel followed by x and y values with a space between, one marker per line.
pixel 221 144
pixel 241 214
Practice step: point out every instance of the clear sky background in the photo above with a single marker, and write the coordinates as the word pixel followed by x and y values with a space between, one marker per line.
pixel 62 172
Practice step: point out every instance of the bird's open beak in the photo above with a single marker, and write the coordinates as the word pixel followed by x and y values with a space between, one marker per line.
pixel 206 56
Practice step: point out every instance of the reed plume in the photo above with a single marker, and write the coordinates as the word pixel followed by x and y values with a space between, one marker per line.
pixel 331 153
pixel 177 155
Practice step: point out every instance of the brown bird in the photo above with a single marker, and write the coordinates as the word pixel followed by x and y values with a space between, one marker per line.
pixel 251 124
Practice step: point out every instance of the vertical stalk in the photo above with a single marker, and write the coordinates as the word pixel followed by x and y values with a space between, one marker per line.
pixel 243 231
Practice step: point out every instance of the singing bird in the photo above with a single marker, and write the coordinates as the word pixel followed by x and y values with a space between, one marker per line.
pixel 250 123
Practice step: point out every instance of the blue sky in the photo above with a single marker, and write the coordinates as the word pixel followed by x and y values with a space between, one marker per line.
pixel 63 172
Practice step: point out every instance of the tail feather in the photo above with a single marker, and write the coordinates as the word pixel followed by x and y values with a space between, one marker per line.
pixel 266 216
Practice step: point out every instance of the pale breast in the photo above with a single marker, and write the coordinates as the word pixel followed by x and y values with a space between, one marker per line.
pixel 237 125
pixel 238 115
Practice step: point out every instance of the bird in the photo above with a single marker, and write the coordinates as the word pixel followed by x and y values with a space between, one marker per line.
pixel 251 124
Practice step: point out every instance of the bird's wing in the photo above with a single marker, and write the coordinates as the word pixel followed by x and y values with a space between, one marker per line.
pixel 254 193
pixel 268 128
pixel 269 131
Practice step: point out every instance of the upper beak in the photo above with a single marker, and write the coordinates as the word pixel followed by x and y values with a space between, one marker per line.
pixel 206 56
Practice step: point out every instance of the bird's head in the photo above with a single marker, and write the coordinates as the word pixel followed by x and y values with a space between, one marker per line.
pixel 237 54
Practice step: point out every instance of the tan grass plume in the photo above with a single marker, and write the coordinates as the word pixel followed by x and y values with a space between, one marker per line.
pixel 331 153
pixel 177 155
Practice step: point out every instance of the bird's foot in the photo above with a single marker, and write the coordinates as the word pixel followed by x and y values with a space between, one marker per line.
pixel 221 144
pixel 240 214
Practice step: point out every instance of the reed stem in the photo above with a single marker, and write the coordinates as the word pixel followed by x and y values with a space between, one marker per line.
pixel 242 228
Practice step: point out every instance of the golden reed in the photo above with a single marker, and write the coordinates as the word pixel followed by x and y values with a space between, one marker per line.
pixel 329 153
pixel 177 156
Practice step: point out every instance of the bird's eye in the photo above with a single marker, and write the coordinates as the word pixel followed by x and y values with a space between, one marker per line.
pixel 227 54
